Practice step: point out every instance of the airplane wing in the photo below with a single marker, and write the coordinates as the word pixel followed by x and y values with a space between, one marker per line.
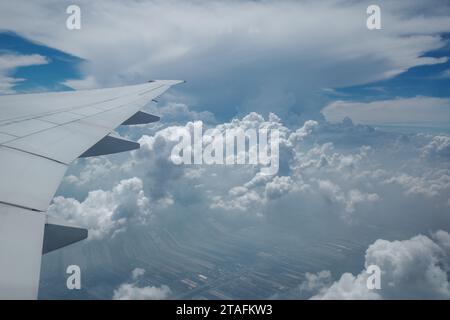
pixel 40 135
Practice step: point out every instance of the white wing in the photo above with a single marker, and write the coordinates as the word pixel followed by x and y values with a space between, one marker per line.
pixel 40 135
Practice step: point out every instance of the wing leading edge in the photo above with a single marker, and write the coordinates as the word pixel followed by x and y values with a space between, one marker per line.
pixel 40 135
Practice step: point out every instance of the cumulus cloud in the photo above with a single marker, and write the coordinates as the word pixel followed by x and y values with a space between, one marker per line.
pixel 416 268
pixel 106 212
pixel 9 62
pixel 438 148
pixel 131 291
pixel 348 287
pixel 345 169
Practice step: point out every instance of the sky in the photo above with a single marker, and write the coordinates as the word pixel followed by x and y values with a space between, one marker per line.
pixel 364 117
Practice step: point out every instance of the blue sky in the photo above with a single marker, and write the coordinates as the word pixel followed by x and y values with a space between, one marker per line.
pixel 47 77
pixel 422 80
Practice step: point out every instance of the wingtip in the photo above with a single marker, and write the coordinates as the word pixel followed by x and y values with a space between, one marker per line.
pixel 170 82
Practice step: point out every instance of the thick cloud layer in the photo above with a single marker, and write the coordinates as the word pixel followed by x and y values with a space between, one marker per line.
pixel 344 172
pixel 241 56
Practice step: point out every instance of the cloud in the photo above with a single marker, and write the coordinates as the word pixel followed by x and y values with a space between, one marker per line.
pixel 240 55
pixel 349 171
pixel 425 111
pixel 136 273
pixel 349 200
pixel 106 212
pixel 410 269
pixel 438 148
pixel 348 287
pixel 9 62
pixel 179 113
pixel 432 184
pixel 82 84
pixel 131 291
pixel 273 56
pixel 343 178
pixel 315 282
pixel 13 60
pixel 445 74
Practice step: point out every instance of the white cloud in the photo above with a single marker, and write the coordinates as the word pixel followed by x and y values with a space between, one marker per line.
pixel 131 291
pixel 105 213
pixel 128 291
pixel 279 186
pixel 410 269
pixel 136 273
pixel 348 287
pixel 438 148
pixel 426 111
pixel 348 180
pixel 82 84
pixel 315 282
pixel 11 61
